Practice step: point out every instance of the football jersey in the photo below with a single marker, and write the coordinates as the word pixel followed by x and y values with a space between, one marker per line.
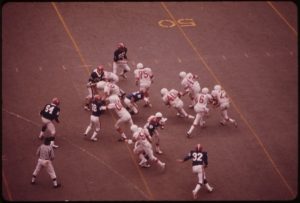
pixel 50 111
pixel 120 54
pixel 198 158
pixel 96 108
pixel 136 96
pixel 96 77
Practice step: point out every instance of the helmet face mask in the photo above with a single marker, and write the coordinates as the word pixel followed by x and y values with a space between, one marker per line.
pixel 158 115
pixel 139 66
pixel 163 91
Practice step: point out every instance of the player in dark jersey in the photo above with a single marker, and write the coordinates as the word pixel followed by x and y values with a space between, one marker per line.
pixel 96 76
pixel 97 108
pixel 49 113
pixel 199 162
pixel 120 60
pixel 131 99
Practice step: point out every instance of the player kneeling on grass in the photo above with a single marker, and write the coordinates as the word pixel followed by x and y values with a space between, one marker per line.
pixel 220 99
pixel 97 108
pixel 201 109
pixel 172 98
pixel 199 162
pixel 143 147
pixel 123 114
pixel 153 122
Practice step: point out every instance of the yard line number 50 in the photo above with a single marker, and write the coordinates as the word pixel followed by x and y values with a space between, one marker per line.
pixel 183 22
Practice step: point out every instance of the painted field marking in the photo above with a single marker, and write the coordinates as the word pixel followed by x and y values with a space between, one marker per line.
pixel 283 18
pixel 84 62
pixel 78 147
pixel 234 105
pixel 246 55
pixel 6 186
pixel 183 22
pixel 179 60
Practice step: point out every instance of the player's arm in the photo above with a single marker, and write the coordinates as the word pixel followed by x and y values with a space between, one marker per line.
pixel 56 116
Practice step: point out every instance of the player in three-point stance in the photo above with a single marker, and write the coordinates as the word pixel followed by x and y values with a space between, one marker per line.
pixel 49 113
pixel 201 109
pixel 97 108
pixel 144 79
pixel 199 162
pixel 172 98
pixel 221 100
pixel 120 60
pixel 153 122
pixel 131 99
pixel 143 147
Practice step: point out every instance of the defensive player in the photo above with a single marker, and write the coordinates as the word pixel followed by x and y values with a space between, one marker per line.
pixel 120 60
pixel 96 76
pixel 153 122
pixel 46 155
pixel 172 98
pixel 199 162
pixel 143 147
pixel 144 79
pixel 191 86
pixel 201 109
pixel 123 114
pixel 220 99
pixel 49 113
pixel 97 108
pixel 131 99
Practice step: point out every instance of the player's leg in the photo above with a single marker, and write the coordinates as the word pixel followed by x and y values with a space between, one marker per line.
pixel 156 141
pixel 51 172
pixel 96 124
pixel 52 130
pixel 115 67
pixel 119 129
pixel 36 171
pixel 89 127
pixel 196 121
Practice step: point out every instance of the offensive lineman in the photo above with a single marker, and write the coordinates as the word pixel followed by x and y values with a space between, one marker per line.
pixel 49 113
pixel 153 122
pixel 172 98
pixel 120 60
pixel 201 109
pixel 221 100
pixel 97 106
pixel 143 147
pixel 144 79
pixel 199 162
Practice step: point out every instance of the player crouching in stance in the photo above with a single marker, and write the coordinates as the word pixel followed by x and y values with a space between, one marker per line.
pixel 199 162
pixel 172 98
pixel 201 109
pixel 49 113
pixel 123 114
pixel 131 99
pixel 97 108
pixel 143 147
pixel 144 79
pixel 46 156
pixel 153 122
pixel 221 100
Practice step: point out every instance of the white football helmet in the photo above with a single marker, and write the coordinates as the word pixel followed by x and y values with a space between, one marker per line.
pixel 139 66
pixel 158 114
pixel 217 87
pixel 134 128
pixel 205 90
pixel 182 74
pixel 100 85
pixel 113 98
pixel 163 91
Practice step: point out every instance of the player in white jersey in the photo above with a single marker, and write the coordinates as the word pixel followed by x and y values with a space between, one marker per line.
pixel 172 98
pixel 109 88
pixel 123 114
pixel 143 147
pixel 201 109
pixel 220 99
pixel 110 76
pixel 191 86
pixel 143 79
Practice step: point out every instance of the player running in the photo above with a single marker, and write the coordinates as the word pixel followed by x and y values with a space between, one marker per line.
pixel 172 98
pixel 199 163
pixel 191 86
pixel 120 60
